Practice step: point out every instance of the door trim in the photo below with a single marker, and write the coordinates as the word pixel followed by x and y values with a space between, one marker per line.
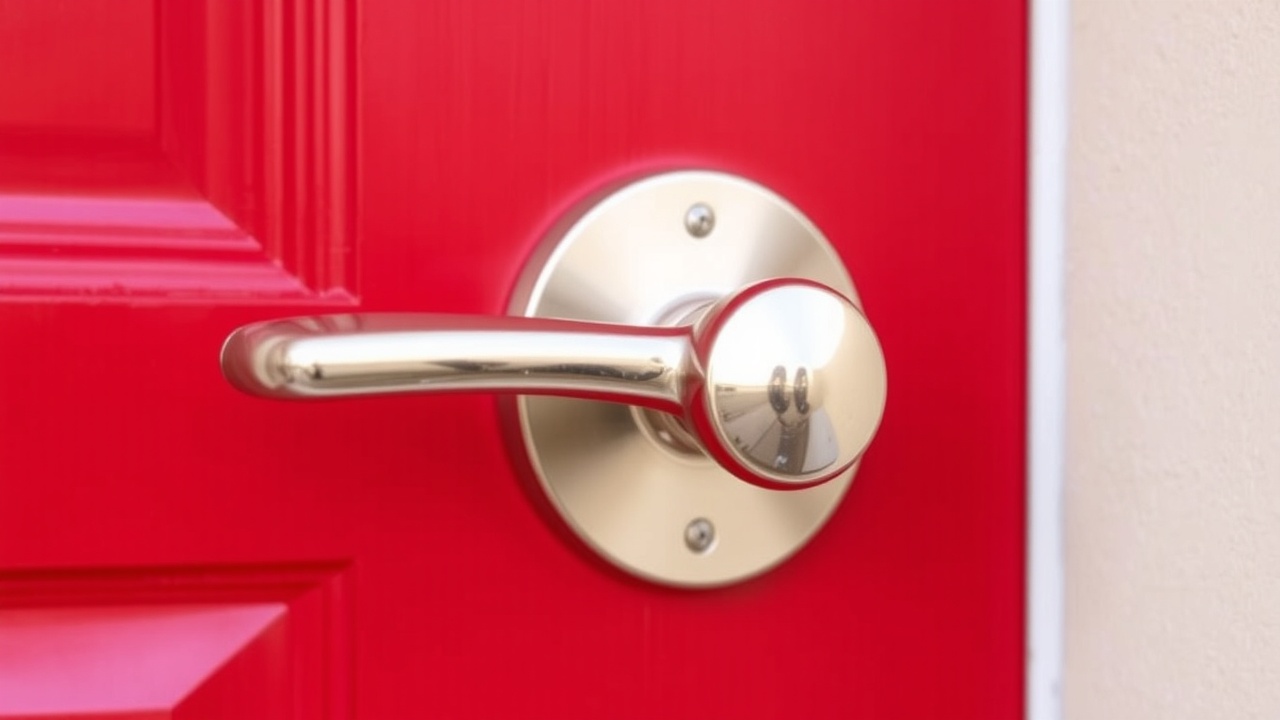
pixel 1049 38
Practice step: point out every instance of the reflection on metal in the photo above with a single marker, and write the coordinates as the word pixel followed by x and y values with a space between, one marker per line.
pixel 699 220
pixel 745 347
pixel 795 383
pixel 371 354
pixel 794 380
pixel 700 535
pixel 729 373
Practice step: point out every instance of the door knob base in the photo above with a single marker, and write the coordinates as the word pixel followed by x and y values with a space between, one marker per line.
pixel 630 485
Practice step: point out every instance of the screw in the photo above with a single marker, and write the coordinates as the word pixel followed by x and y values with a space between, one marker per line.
pixel 700 535
pixel 699 220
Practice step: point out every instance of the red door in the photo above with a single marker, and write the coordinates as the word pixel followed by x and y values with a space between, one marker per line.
pixel 172 170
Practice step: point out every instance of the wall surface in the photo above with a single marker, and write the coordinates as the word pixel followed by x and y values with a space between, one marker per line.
pixel 1173 476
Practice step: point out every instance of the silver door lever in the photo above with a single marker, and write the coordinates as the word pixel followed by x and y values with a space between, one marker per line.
pixel 782 382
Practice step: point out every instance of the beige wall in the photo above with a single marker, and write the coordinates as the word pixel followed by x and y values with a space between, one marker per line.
pixel 1173 471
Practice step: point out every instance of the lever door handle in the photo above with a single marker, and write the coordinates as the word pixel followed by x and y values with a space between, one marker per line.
pixel 715 336
pixel 782 382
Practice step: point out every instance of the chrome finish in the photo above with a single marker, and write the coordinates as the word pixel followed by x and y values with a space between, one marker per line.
pixel 782 380
pixel 795 383
pixel 627 480
pixel 700 535
pixel 700 220
pixel 738 354
pixel 339 355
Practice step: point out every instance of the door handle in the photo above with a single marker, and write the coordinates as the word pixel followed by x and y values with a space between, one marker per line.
pixel 782 382
pixel 715 321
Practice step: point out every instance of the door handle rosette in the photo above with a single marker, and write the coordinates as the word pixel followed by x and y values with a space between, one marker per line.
pixel 712 319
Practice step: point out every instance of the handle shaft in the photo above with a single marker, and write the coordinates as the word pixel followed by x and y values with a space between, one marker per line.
pixel 782 382
pixel 364 354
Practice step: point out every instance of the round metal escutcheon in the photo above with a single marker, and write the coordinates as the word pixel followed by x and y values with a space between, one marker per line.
pixel 628 483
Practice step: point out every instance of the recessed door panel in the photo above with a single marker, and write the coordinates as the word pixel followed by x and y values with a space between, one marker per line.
pixel 302 158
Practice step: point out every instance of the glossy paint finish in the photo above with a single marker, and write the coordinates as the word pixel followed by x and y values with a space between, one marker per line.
pixel 88 660
pixel 303 158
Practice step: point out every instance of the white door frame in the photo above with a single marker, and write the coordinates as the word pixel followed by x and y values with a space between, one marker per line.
pixel 1048 38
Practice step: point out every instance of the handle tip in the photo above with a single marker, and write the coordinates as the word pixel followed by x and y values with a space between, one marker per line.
pixel 249 361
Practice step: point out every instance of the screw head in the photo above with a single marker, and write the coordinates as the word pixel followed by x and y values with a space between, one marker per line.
pixel 700 535
pixel 699 220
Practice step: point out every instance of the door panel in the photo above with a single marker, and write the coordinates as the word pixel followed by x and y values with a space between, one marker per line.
pixel 297 158
pixel 181 151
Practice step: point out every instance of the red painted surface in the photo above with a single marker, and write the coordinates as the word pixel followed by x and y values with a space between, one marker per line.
pixel 69 661
pixel 298 157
